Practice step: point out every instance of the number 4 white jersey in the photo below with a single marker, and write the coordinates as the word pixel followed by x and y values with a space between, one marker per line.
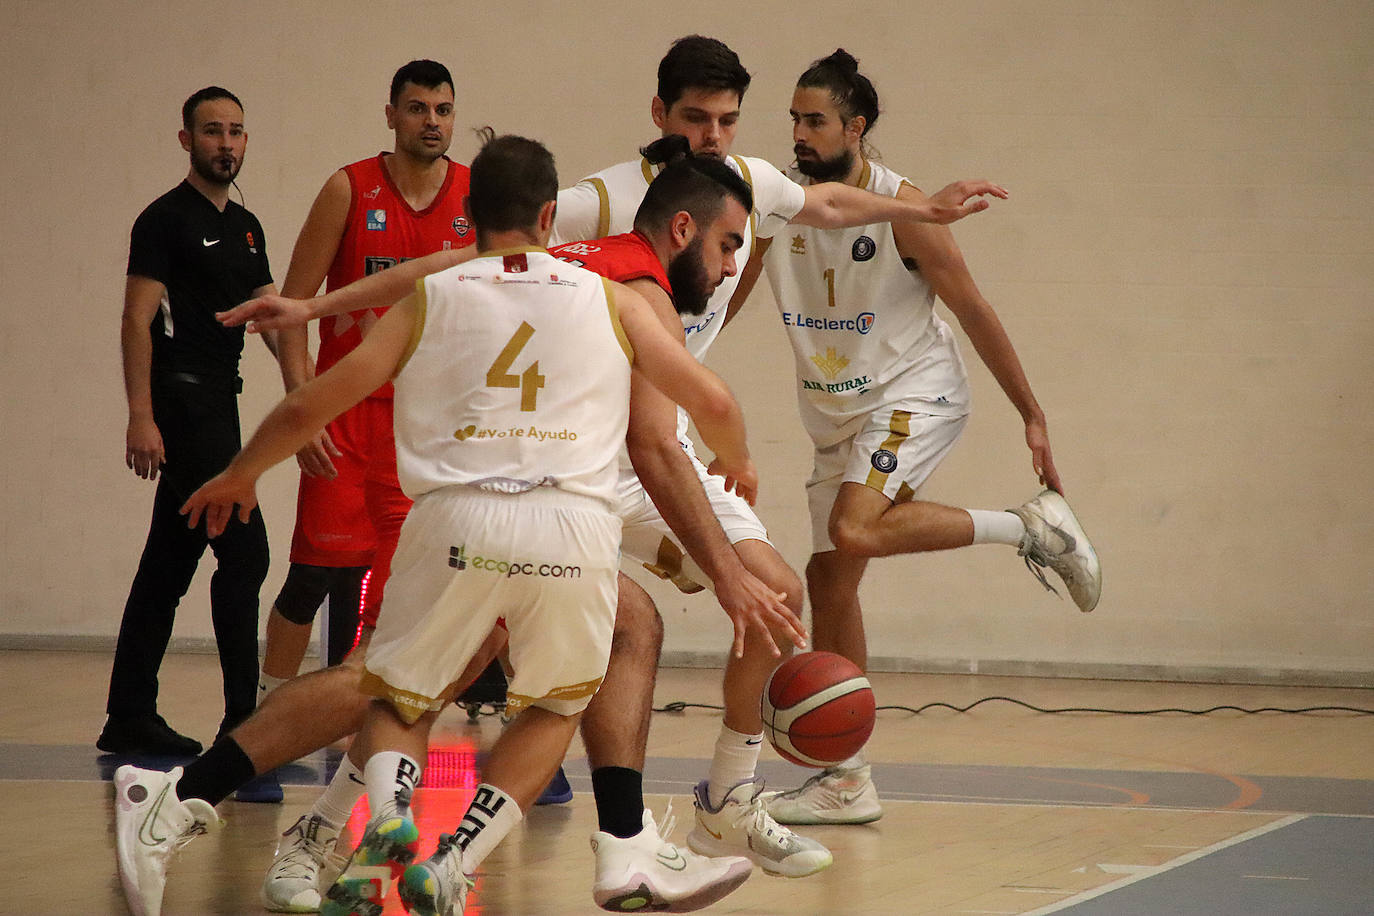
pixel 518 376
pixel 862 325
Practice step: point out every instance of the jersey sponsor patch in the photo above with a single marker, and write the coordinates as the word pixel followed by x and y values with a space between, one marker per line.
pixel 376 220
pixel 884 462
pixel 864 249
pixel 861 325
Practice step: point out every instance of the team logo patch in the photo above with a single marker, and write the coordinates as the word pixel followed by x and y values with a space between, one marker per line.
pixel 799 244
pixel 376 220
pixel 884 461
pixel 863 249
pixel 462 226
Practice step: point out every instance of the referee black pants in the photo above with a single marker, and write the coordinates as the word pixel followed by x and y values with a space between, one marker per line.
pixel 200 434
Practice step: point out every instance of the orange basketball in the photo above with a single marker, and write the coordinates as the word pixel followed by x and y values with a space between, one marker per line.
pixel 817 709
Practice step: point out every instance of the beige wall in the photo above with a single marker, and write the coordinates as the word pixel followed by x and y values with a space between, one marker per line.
pixel 1185 267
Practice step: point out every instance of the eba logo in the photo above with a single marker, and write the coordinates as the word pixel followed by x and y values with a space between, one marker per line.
pixel 864 323
pixel 884 461
pixel 462 226
pixel 863 249
pixel 376 220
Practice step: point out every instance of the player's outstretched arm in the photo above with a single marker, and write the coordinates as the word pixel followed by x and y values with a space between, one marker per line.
pixel 670 479
pixel 300 415
pixel 666 363
pixel 831 205
pixel 379 290
pixel 943 266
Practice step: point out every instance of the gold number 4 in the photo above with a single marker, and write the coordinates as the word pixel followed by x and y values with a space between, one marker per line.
pixel 530 381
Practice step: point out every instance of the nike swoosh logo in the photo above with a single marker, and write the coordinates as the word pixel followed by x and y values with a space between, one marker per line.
pixel 207 243
pixel 353 777
pixel 676 861
pixel 710 831
pixel 753 742
pixel 146 836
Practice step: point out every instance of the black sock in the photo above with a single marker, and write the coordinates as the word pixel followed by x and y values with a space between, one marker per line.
pixel 619 794
pixel 216 773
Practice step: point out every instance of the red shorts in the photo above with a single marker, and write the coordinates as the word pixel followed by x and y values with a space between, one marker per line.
pixel 332 527
pixel 355 519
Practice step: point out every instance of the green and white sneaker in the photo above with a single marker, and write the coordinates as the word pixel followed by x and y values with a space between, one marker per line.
pixel 151 826
pixel 437 886
pixel 1054 538
pixel 741 826
pixel 388 845
pixel 647 873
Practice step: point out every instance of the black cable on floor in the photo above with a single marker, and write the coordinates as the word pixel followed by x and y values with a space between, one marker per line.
pixel 681 706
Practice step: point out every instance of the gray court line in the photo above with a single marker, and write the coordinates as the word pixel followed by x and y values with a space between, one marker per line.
pixel 1167 866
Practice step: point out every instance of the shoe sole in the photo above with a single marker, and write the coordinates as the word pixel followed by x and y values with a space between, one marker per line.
pixel 637 896
pixel 417 896
pixel 820 820
pixel 713 848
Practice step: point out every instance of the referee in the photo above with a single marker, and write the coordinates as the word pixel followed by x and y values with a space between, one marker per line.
pixel 193 252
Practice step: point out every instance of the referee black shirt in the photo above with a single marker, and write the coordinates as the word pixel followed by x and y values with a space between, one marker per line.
pixel 209 261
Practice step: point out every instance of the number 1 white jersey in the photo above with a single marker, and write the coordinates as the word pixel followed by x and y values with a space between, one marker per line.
pixel 862 325
pixel 517 376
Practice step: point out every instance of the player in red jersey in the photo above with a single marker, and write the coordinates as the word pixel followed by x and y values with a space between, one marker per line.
pixel 369 215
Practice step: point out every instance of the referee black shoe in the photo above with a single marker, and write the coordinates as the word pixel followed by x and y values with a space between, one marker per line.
pixel 145 735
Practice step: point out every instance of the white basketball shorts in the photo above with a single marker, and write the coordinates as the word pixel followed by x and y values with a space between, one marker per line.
pixel 544 560
pixel 893 452
pixel 651 544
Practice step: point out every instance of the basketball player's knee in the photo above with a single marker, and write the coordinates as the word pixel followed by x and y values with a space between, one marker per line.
pixel 637 622
pixel 302 593
pixel 851 537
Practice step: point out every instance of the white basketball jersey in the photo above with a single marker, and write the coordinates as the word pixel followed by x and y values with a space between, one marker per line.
pixel 862 325
pixel 518 377
pixel 605 204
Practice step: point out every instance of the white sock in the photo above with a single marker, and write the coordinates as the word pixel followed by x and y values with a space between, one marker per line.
pixel 996 527
pixel 736 758
pixel 341 795
pixel 267 683
pixel 853 763
pixel 491 816
pixel 391 778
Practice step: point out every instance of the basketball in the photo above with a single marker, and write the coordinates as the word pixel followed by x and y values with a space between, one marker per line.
pixel 817 709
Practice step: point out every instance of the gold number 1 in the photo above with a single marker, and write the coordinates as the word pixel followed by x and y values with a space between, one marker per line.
pixel 830 284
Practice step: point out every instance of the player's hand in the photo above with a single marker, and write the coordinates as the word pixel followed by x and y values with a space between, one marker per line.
pixel 316 457
pixel 958 200
pixel 216 501
pixel 267 313
pixel 1042 460
pixel 757 612
pixel 143 450
pixel 742 478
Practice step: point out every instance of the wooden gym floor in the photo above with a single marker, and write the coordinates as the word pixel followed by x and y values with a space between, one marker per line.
pixel 1000 810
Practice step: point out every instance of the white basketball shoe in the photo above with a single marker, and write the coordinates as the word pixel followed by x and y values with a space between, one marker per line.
pixel 306 848
pixel 1054 538
pixel 151 826
pixel 648 873
pixel 741 826
pixel 832 796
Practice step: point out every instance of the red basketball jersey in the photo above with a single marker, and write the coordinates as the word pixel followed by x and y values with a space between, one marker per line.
pixel 621 258
pixel 382 230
